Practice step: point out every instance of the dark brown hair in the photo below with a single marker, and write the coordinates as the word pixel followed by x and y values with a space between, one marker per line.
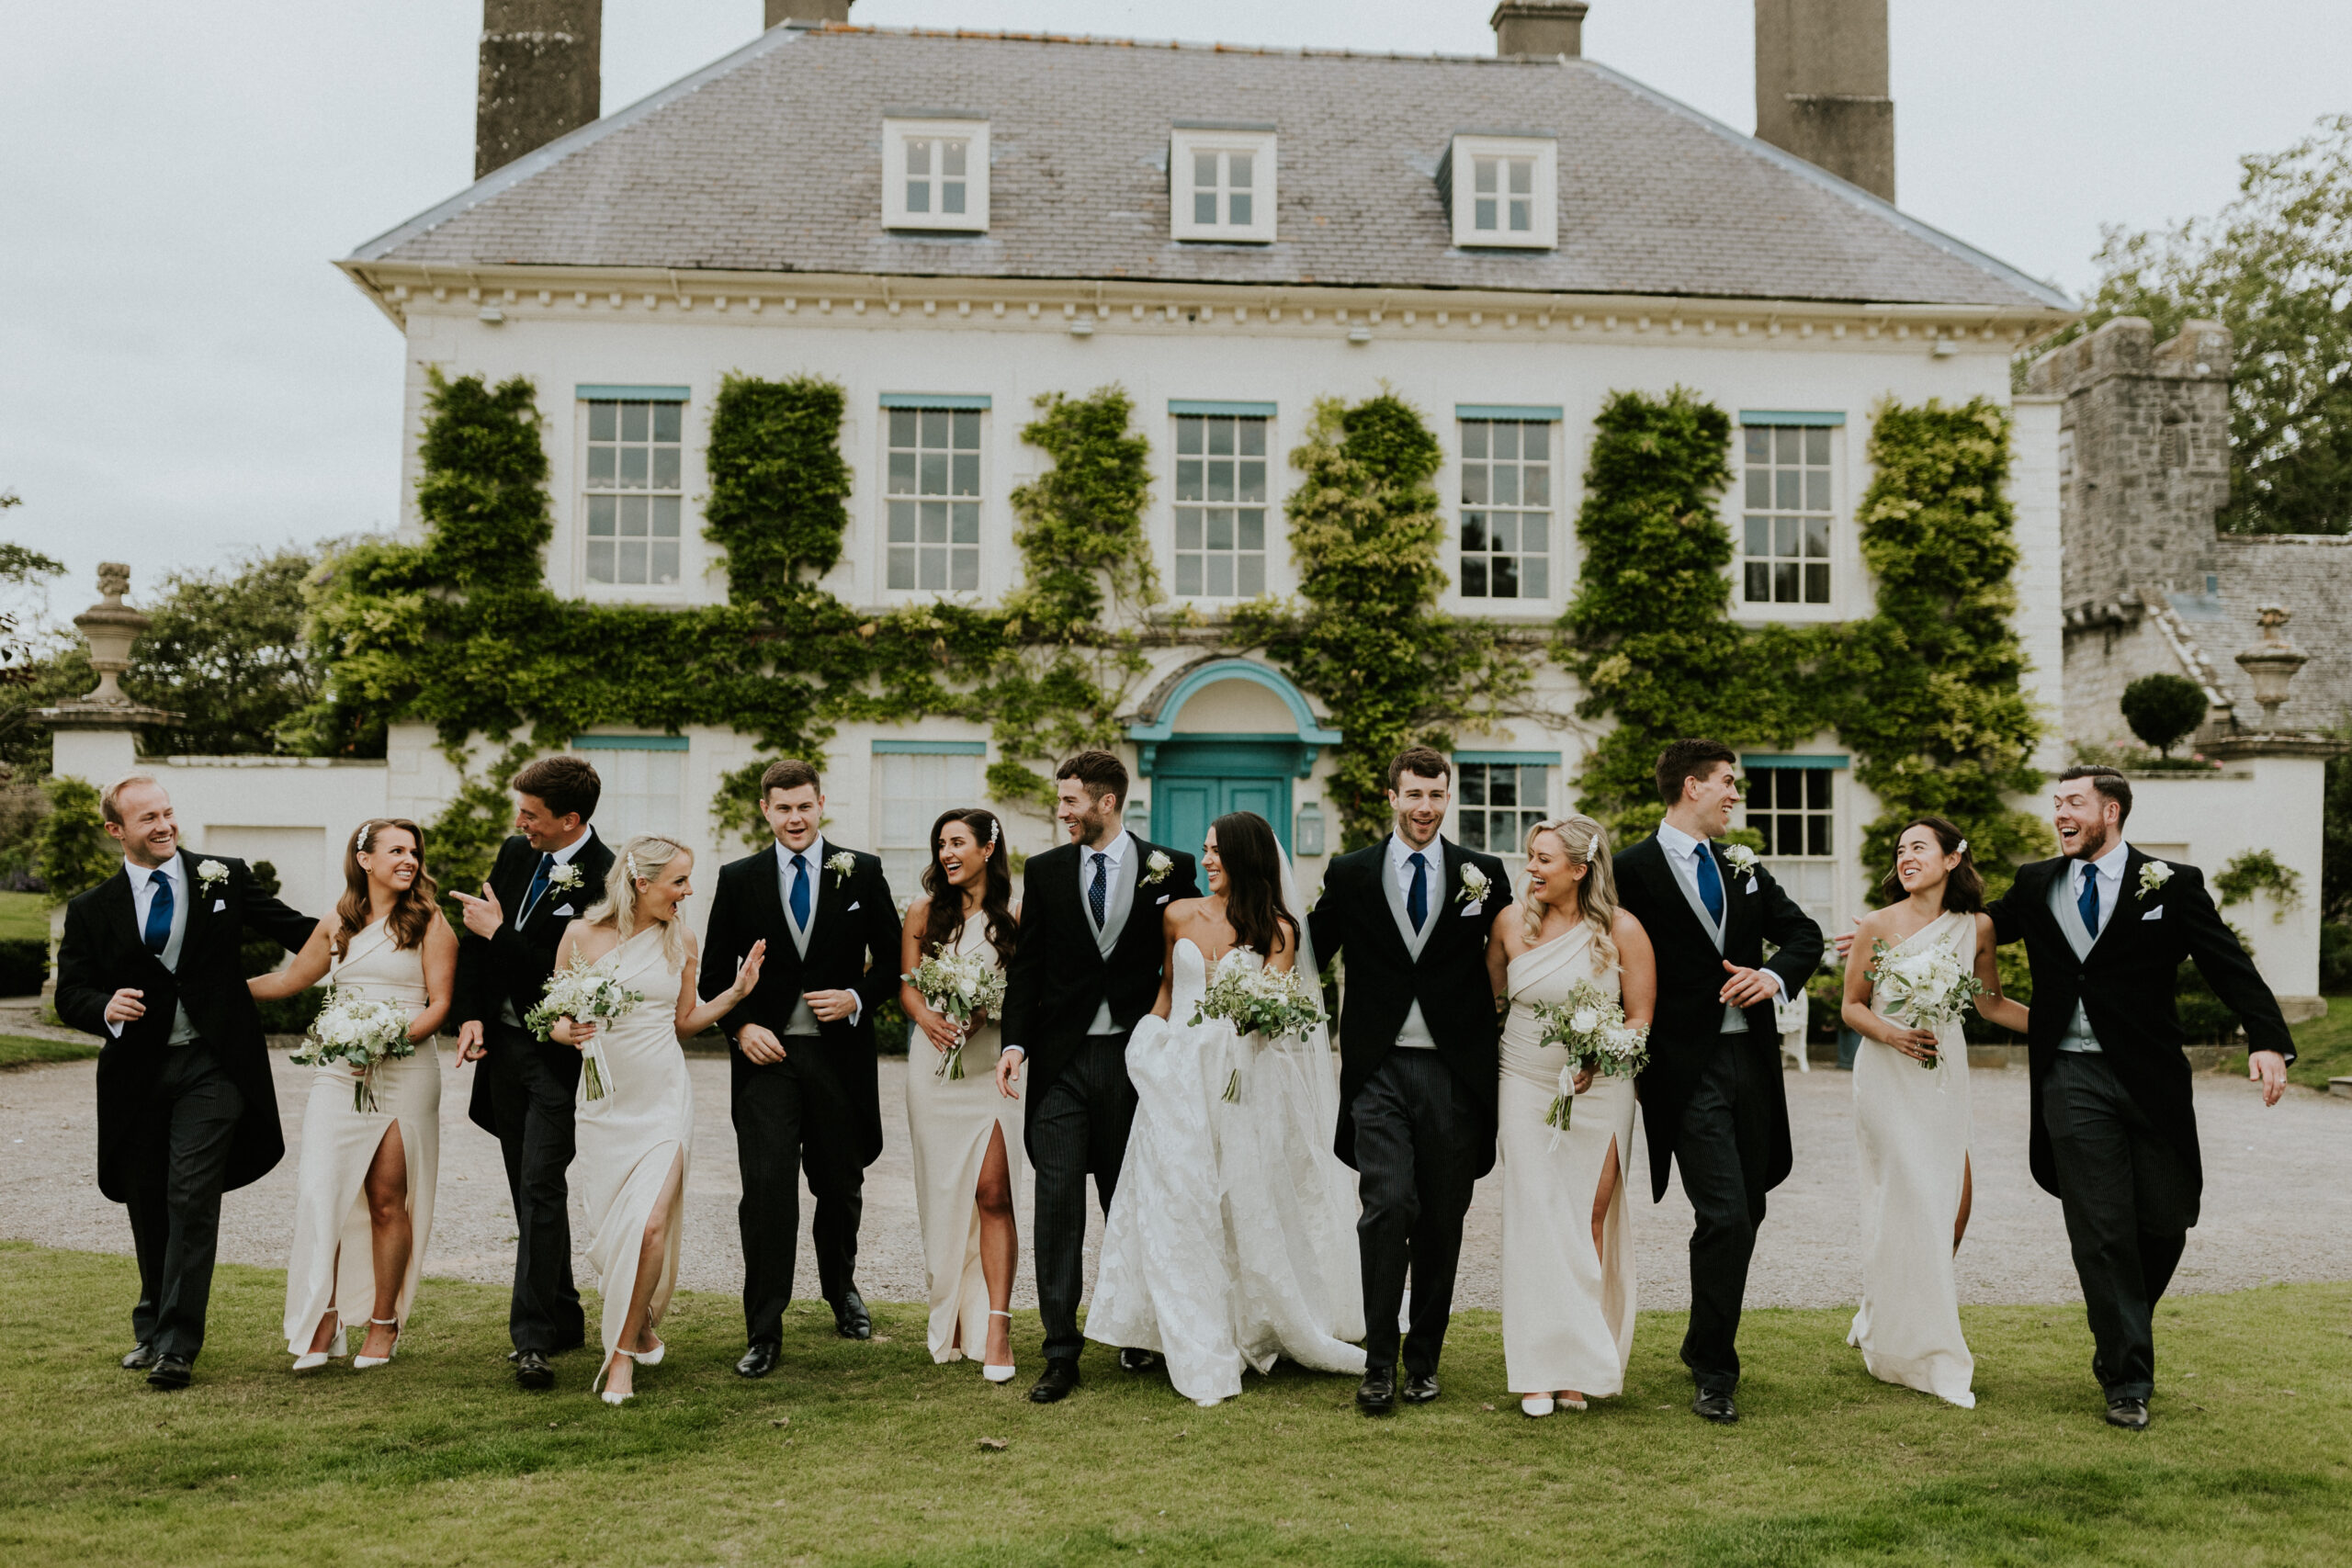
pixel 1420 762
pixel 414 911
pixel 788 774
pixel 2109 782
pixel 946 918
pixel 1690 759
pixel 564 786
pixel 1100 772
pixel 1253 883
pixel 1963 889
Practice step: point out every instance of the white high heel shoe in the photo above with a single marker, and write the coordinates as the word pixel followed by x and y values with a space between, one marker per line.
pixel 361 1363
pixel 650 1358
pixel 311 1360
pixel 992 1372
pixel 642 1357
pixel 1535 1404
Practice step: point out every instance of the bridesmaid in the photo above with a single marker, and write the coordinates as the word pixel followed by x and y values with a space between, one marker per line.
pixel 363 1207
pixel 632 1144
pixel 963 1130
pixel 1911 1125
pixel 1568 1264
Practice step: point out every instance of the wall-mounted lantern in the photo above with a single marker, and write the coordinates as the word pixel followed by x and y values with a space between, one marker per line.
pixel 1307 840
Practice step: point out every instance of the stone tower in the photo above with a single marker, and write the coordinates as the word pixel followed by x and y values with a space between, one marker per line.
pixel 540 75
pixel 782 11
pixel 1821 87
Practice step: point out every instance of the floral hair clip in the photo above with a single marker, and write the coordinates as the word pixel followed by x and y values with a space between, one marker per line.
pixel 994 832
pixel 1964 847
pixel 628 859
pixel 360 840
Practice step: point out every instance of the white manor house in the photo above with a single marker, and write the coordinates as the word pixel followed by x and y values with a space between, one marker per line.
pixel 949 225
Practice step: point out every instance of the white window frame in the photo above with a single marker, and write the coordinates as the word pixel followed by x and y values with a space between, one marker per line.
pixel 890 496
pixel 1187 140
pixel 1817 881
pixel 898 131
pixel 1547 420
pixel 903 861
pixel 1527 813
pixel 1461 178
pixel 1203 504
pixel 589 492
pixel 1839 533
pixel 645 788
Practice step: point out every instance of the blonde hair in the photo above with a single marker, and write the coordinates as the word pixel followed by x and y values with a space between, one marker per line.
pixel 111 797
pixel 1586 843
pixel 640 860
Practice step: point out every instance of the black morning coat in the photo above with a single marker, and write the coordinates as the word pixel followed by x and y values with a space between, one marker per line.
pixel 854 947
pixel 1383 978
pixel 2126 987
pixel 1058 976
pixel 514 965
pixel 103 951
pixel 1690 978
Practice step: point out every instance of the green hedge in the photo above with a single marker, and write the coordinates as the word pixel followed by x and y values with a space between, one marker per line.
pixel 24 964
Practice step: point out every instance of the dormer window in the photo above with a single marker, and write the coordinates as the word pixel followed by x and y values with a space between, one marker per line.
pixel 1502 189
pixel 934 172
pixel 1221 182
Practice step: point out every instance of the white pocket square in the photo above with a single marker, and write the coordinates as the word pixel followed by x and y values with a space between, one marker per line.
pixel 2155 914
pixel 853 908
pixel 1473 909
pixel 1751 886
pixel 219 905
pixel 564 909
pixel 1162 900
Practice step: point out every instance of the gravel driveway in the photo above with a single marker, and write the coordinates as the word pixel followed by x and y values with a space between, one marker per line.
pixel 2277 1197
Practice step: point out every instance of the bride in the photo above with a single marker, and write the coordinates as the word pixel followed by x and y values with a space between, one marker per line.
pixel 1911 1124
pixel 1232 1237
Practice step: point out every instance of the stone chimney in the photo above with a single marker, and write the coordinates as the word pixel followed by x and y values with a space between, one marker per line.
pixel 1542 28
pixel 782 11
pixel 1821 87
pixel 540 75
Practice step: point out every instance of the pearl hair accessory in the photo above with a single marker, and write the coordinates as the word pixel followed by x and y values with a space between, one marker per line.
pixel 360 840
pixel 630 860
pixel 994 832
pixel 1964 847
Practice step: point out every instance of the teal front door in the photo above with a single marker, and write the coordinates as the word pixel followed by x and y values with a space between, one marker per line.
pixel 1194 783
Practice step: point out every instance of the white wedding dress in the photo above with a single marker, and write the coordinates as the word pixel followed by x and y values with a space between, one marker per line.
pixel 1232 1238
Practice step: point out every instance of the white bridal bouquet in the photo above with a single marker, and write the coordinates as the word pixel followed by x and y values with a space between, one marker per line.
pixel 350 1028
pixel 1255 999
pixel 586 992
pixel 1926 990
pixel 1591 1024
pixel 959 986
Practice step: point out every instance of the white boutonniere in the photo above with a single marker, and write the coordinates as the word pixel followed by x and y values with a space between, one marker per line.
pixel 566 877
pixel 2153 877
pixel 841 863
pixel 1156 867
pixel 1739 857
pixel 1473 885
pixel 210 874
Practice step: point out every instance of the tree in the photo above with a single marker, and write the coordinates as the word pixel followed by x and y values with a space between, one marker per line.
pixel 227 650
pixel 22 685
pixel 2275 266
pixel 2164 710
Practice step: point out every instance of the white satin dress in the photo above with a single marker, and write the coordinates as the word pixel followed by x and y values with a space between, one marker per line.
pixel 1568 1312
pixel 626 1143
pixel 333 1267
pixel 1231 1240
pixel 1911 1132
pixel 949 1123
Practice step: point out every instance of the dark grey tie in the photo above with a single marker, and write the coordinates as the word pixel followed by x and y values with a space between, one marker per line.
pixel 1098 896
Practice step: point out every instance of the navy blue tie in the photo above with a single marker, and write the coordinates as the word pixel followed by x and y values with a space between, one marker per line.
pixel 2088 901
pixel 1098 894
pixel 801 890
pixel 1417 896
pixel 159 916
pixel 538 885
pixel 1710 883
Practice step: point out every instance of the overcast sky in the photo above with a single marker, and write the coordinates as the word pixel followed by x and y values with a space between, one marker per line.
pixel 183 376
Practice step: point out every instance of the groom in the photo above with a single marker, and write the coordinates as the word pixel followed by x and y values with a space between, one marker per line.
pixel 185 1107
pixel 1711 1095
pixel 1087 969
pixel 1417 1061
pixel 2114 1134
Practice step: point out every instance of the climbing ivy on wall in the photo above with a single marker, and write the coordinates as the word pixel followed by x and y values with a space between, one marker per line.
pixel 1366 536
pixel 778 484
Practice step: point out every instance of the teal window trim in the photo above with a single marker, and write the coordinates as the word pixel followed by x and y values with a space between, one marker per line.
pixel 937 400
pixel 931 748
pixel 629 742
pixel 1510 759
pixel 1786 759
pixel 603 392
pixel 1791 416
pixel 1210 406
pixel 1549 413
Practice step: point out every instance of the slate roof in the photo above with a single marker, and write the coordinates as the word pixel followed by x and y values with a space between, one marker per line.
pixel 770 159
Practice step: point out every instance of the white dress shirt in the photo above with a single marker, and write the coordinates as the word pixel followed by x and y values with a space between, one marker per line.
pixel 2109 869
pixel 1683 853
pixel 143 899
pixel 1414 1034
pixel 1115 855
pixel 812 859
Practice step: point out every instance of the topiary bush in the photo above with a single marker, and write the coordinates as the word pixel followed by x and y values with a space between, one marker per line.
pixel 2164 710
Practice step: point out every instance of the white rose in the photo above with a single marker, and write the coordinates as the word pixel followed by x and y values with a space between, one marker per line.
pixel 1584 1020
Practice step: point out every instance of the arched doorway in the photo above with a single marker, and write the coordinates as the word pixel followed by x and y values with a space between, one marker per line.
pixel 1226 735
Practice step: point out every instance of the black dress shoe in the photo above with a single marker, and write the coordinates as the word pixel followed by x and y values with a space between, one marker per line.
pixel 532 1371
pixel 142 1356
pixel 1715 1407
pixel 850 1318
pixel 1376 1396
pixel 1138 1361
pixel 1053 1385
pixel 1420 1388
pixel 169 1372
pixel 759 1359
pixel 2132 1414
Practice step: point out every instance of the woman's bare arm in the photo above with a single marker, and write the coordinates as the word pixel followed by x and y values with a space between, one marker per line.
pixel 933 1024
pixel 1857 1013
pixel 440 978
pixel 309 967
pixel 693 1019
pixel 1637 967
pixel 1170 928
pixel 1995 1007
pixel 1499 937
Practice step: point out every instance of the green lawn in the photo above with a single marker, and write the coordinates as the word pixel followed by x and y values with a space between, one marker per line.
pixel 868 1454
pixel 23 1050
pixel 2322 1046
pixel 24 915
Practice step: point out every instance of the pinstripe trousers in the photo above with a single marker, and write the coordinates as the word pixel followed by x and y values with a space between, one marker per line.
pixel 1080 1126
